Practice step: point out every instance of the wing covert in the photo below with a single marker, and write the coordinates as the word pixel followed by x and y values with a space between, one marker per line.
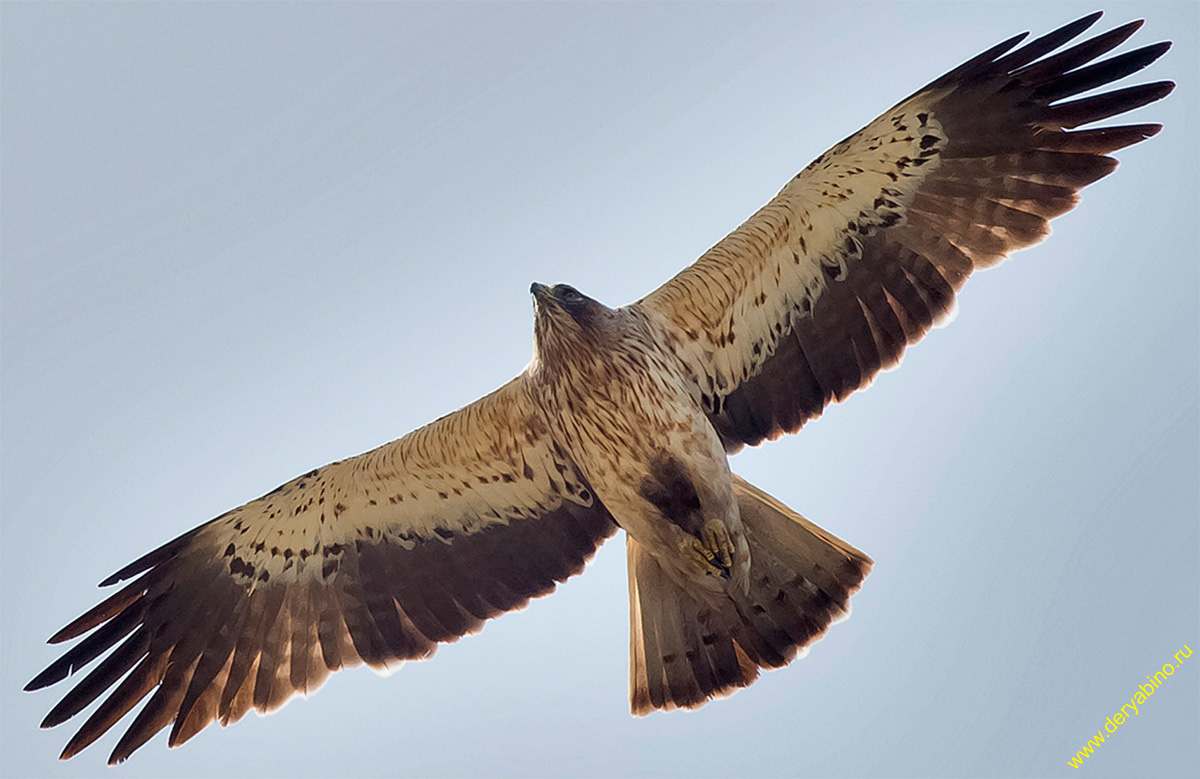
pixel 374 559
pixel 862 252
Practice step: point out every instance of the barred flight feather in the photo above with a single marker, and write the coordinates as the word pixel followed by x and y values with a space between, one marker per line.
pixel 374 560
pixel 952 179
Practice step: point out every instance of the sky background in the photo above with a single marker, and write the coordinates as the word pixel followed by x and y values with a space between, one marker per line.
pixel 243 240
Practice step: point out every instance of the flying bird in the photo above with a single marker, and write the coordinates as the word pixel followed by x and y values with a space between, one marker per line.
pixel 625 418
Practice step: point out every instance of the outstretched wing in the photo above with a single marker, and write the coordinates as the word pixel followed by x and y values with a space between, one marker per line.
pixel 374 559
pixel 863 251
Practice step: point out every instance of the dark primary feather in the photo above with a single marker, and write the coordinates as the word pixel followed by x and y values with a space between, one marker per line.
pixel 207 634
pixel 1008 166
pixel 193 623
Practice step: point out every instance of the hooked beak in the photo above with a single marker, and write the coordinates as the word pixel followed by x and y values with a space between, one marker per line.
pixel 540 292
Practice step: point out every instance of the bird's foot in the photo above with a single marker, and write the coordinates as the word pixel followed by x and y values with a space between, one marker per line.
pixel 713 549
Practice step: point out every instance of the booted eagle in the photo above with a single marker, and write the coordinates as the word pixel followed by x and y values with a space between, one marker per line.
pixel 625 418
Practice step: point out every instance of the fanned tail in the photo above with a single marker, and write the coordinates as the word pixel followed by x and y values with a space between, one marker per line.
pixel 689 646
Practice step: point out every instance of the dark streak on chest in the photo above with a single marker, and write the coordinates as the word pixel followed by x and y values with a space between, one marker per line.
pixel 669 489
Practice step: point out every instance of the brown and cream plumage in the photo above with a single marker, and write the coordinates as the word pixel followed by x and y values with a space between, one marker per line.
pixel 625 418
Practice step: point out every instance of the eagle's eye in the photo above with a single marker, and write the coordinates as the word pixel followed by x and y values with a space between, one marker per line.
pixel 567 294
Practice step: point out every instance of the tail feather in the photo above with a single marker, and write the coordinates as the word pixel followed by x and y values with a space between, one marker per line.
pixel 682 651
pixel 688 646
pixel 833 566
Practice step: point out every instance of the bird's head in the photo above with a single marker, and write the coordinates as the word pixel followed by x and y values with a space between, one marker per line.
pixel 564 316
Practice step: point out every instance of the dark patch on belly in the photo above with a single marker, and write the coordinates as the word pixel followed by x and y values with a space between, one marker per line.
pixel 669 490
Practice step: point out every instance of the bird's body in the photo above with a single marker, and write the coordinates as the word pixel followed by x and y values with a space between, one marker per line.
pixel 626 418
pixel 602 381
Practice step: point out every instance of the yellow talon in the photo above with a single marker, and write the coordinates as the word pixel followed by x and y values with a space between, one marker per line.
pixel 715 547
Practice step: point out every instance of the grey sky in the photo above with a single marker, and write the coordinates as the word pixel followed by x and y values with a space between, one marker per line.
pixel 243 240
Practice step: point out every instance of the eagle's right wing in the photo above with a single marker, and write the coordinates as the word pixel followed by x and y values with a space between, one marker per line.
pixel 863 251
pixel 373 559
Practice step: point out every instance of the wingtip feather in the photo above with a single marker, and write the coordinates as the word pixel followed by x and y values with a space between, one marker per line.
pixel 66 634
pixel 43 680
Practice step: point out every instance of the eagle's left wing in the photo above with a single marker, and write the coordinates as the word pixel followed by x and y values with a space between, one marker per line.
pixel 374 559
pixel 864 250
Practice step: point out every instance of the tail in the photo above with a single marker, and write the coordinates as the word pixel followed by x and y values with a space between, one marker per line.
pixel 687 646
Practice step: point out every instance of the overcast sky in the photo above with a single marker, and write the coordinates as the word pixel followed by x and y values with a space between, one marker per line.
pixel 243 240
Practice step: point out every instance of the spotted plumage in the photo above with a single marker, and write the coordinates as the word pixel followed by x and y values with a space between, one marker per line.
pixel 625 418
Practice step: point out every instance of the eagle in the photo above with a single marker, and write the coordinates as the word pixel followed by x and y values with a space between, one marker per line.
pixel 625 419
